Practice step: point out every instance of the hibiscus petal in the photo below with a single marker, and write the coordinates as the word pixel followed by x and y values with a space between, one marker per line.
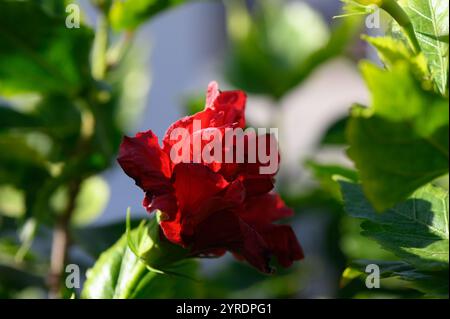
pixel 257 185
pixel 171 227
pixel 230 105
pixel 264 209
pixel 199 193
pixel 195 183
pixel 225 230
pixel 212 93
pixel 166 203
pixel 143 160
pixel 256 181
pixel 255 249
pixel 223 109
pixel 283 244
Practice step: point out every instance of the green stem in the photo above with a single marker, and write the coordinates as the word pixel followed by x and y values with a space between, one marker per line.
pixel 99 63
pixel 117 53
pixel 394 9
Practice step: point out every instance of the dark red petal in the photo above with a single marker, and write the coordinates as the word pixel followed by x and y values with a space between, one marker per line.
pixel 225 229
pixel 218 230
pixel 143 160
pixel 166 203
pixel 264 209
pixel 195 183
pixel 199 193
pixel 283 244
pixel 255 180
pixel 228 198
pixel 254 249
pixel 171 227
pixel 257 185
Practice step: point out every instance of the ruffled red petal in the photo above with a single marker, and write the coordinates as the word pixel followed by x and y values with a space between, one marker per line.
pixel 264 209
pixel 282 243
pixel 143 160
pixel 223 109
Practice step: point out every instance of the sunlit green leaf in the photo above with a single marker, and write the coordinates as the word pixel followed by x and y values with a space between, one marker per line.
pixel 119 273
pixel 12 201
pixel 432 283
pixel 416 230
pixel 430 20
pixel 91 201
pixel 89 204
pixel 401 142
pixel 355 8
pixel 391 51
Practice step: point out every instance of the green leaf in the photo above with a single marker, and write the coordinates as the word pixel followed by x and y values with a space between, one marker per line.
pixel 119 273
pixel 12 201
pixel 13 281
pixel 415 230
pixel 102 278
pixel 42 55
pixel 432 283
pixel 55 7
pixel 95 239
pixel 401 142
pixel 324 174
pixel 9 249
pixel 392 51
pixel 89 204
pixel 335 134
pixel 130 14
pixel 21 163
pixel 353 8
pixel 356 246
pixel 91 201
pixel 430 20
pixel 57 116
pixel 441 38
pixel 10 118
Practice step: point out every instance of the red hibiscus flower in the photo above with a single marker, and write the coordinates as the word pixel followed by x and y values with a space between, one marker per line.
pixel 211 208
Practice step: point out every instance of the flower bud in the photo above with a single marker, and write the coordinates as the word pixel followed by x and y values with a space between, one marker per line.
pixel 153 249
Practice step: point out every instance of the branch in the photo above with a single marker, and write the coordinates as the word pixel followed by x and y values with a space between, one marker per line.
pixel 61 244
